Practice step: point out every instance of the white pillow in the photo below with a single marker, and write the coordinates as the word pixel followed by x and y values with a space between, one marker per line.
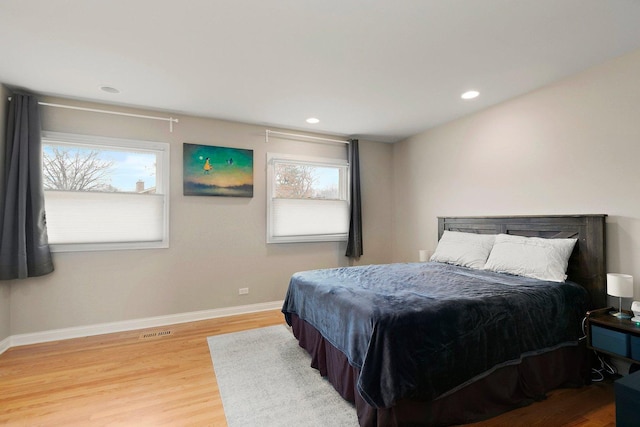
pixel 465 249
pixel 534 257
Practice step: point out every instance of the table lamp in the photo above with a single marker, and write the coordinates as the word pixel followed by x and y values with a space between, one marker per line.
pixel 621 286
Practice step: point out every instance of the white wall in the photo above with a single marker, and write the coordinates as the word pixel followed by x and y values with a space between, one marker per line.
pixel 570 148
pixel 217 243
pixel 5 313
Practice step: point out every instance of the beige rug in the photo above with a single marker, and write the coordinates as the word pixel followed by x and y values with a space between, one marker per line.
pixel 265 380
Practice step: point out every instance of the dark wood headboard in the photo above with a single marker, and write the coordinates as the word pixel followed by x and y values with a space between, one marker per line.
pixel 587 265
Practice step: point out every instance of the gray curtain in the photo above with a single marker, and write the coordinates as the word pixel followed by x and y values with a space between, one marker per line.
pixel 354 242
pixel 24 247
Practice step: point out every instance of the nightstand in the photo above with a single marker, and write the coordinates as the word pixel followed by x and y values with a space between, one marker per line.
pixel 613 336
pixel 619 338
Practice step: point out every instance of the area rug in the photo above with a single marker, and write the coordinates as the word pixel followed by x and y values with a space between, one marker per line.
pixel 265 380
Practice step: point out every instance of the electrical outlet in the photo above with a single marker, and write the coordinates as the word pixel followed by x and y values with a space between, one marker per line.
pixel 243 291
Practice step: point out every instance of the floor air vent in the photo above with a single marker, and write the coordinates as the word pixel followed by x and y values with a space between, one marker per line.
pixel 155 334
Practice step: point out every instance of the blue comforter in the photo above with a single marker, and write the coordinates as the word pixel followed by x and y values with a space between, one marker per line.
pixel 424 330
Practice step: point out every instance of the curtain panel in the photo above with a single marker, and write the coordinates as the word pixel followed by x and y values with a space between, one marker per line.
pixel 354 241
pixel 24 247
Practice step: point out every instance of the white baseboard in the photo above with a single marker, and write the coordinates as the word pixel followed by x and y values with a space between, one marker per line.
pixel 5 344
pixel 130 325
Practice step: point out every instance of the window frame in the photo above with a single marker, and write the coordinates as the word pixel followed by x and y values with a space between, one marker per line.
pixel 163 184
pixel 343 190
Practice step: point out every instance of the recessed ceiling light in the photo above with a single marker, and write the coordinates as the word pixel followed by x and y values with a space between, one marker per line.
pixel 312 120
pixel 109 89
pixel 470 94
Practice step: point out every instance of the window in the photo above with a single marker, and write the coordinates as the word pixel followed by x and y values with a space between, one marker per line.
pixel 104 193
pixel 307 199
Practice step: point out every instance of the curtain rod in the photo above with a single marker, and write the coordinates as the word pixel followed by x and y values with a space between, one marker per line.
pixel 171 120
pixel 297 135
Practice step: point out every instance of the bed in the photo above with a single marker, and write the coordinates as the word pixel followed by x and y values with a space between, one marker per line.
pixel 439 344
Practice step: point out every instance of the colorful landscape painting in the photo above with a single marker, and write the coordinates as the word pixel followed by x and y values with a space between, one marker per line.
pixel 217 171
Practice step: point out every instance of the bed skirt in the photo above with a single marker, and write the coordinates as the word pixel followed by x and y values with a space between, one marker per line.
pixel 506 388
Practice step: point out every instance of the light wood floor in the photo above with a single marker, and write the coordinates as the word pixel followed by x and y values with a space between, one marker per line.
pixel 124 380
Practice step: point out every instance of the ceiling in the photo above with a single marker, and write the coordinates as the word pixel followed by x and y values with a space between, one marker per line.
pixel 374 69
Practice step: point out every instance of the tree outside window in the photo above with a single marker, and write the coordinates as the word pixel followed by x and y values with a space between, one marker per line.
pixel 75 168
pixel 300 181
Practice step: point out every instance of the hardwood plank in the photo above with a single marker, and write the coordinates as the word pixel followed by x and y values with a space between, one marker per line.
pixel 585 406
pixel 120 379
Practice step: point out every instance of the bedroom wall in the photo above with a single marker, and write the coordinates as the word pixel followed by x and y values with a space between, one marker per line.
pixel 5 313
pixel 217 244
pixel 569 148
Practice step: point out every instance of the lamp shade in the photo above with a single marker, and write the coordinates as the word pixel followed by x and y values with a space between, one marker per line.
pixel 620 285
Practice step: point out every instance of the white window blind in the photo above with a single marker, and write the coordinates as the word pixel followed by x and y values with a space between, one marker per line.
pixel 86 217
pixel 321 218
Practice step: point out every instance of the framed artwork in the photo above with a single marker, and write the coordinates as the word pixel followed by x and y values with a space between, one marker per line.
pixel 217 171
